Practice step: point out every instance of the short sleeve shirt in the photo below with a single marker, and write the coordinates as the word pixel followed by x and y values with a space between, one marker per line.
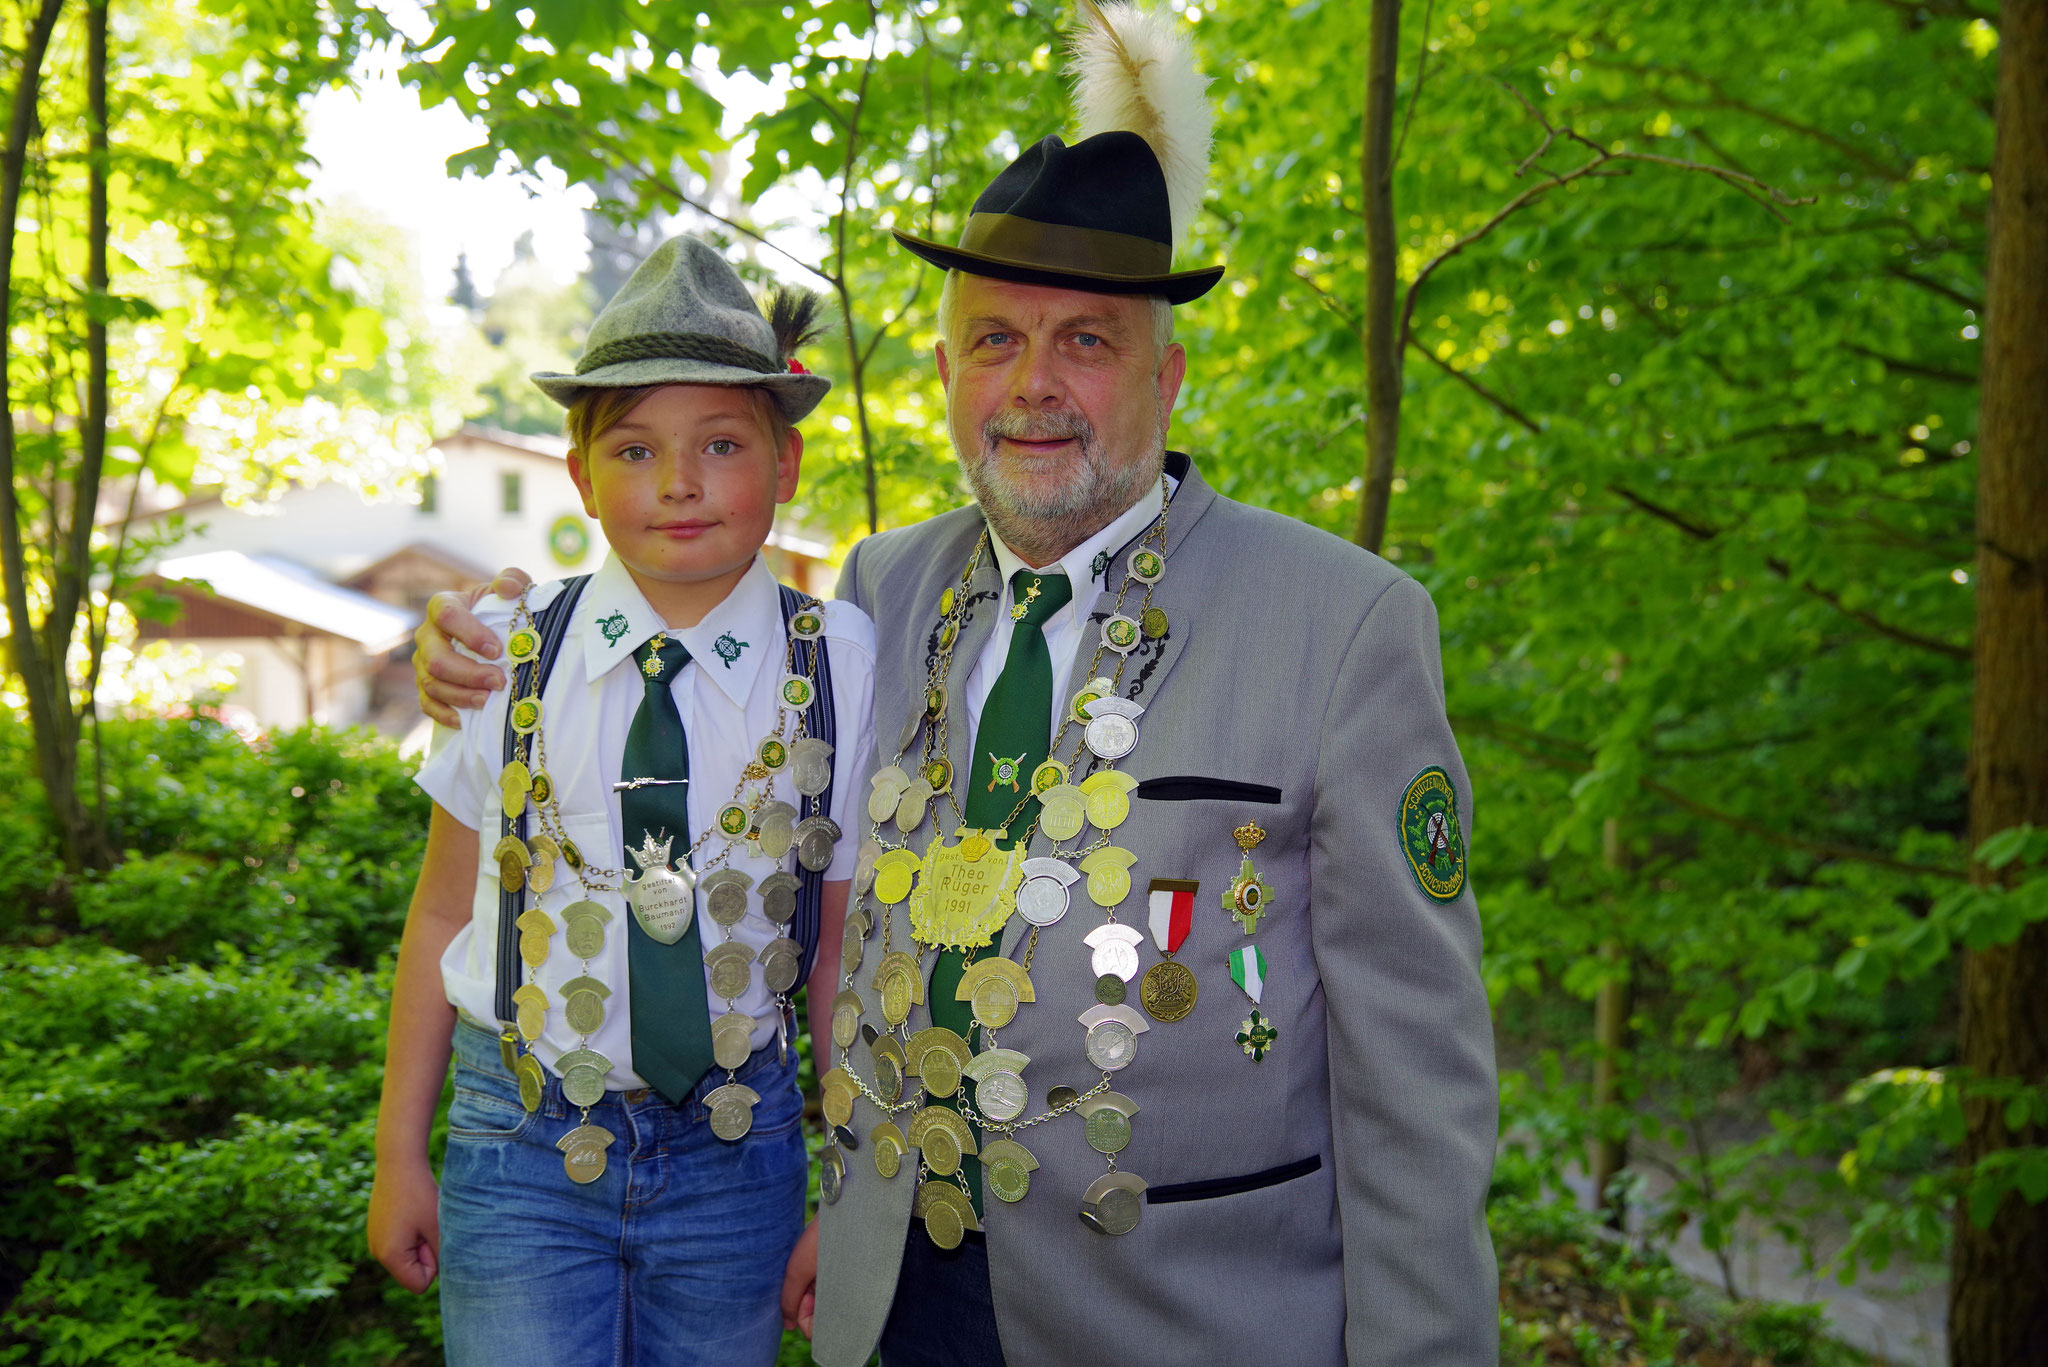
pixel 727 696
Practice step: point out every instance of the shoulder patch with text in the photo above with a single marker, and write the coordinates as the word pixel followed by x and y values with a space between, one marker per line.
pixel 1432 839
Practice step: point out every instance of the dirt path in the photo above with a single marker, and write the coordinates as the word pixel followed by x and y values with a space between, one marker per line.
pixel 1898 1314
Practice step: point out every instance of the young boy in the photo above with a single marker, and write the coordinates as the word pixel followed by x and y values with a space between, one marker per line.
pixel 627 864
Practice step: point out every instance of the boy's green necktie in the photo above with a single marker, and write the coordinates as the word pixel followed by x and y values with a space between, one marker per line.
pixel 671 1025
pixel 1015 726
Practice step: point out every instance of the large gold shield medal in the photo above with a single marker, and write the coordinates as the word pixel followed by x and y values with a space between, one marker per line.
pixel 967 891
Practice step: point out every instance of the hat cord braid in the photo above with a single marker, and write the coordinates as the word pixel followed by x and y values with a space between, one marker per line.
pixel 683 346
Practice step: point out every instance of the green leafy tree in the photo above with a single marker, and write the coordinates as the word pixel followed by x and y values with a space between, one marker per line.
pixel 171 306
pixel 1647 337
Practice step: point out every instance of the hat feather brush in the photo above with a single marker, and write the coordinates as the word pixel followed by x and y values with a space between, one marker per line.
pixel 1134 70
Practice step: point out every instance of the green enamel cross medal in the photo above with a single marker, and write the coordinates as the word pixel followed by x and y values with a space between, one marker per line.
pixel 1257 1036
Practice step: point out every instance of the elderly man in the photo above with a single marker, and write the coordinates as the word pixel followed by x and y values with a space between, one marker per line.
pixel 1161 1037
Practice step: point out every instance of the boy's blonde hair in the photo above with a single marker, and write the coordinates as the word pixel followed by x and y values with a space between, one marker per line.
pixel 595 412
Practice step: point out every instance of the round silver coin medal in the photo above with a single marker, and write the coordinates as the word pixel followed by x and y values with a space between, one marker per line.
pixel 1111 737
pixel 1042 901
pixel 810 766
pixel 1117 1212
pixel 731 1120
pixel 777 822
pixel 727 902
pixel 814 850
pixel 1002 1096
pixel 829 1179
pixel 1110 1046
pixel 732 1039
pixel 780 959
pixel 583 1085
pixel 778 896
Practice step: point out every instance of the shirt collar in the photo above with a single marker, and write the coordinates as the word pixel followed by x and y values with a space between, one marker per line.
pixel 729 645
pixel 1081 563
pixel 741 636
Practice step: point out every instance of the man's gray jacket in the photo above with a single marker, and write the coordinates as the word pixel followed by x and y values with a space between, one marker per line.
pixel 1327 1204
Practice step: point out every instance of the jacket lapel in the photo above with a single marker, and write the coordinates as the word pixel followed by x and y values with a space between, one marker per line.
pixel 977 624
pixel 1152 660
pixel 1174 594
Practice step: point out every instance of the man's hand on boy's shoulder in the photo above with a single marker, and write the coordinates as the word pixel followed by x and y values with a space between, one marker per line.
pixel 447 679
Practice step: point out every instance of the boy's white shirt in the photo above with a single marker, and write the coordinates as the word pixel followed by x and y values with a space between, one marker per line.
pixel 728 707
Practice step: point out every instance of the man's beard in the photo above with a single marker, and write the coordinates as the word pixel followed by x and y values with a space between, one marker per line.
pixel 1043 520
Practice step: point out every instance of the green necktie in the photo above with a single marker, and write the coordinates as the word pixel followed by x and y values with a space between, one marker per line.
pixel 671 1024
pixel 1015 726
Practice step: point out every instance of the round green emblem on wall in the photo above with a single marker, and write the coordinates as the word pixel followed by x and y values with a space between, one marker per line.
pixel 568 540
pixel 1431 837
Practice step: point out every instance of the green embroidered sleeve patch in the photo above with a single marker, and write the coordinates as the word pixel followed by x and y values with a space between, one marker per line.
pixel 1431 837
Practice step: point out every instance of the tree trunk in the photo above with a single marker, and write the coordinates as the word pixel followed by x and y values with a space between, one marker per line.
pixel 1382 340
pixel 1611 1010
pixel 1998 1295
pixel 51 716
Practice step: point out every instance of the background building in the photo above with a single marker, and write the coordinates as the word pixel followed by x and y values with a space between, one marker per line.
pixel 318 591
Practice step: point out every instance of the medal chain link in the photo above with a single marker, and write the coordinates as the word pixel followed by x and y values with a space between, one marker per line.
pixel 935 737
pixel 598 879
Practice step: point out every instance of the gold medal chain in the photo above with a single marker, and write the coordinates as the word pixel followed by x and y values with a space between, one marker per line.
pixel 1155 533
pixel 934 733
pixel 550 813
pixel 940 672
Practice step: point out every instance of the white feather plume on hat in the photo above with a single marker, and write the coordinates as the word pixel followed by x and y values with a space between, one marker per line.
pixel 1134 70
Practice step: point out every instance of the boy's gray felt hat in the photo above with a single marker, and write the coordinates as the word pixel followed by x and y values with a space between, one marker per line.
pixel 685 318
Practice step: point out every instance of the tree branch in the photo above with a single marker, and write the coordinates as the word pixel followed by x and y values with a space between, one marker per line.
pixel 854 356
pixel 1600 164
pixel 1421 74
pixel 1724 100
pixel 1925 372
pixel 1518 738
pixel 1331 302
pixel 1382 265
pixel 1481 390
pixel 755 234
pixel 1701 532
pixel 1945 291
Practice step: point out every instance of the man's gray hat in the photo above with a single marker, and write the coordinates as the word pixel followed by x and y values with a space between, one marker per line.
pixel 685 318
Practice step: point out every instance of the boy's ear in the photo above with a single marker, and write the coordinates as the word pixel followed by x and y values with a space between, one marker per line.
pixel 788 462
pixel 579 473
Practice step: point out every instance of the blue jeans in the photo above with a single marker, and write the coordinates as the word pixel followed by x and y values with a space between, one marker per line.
pixel 673 1258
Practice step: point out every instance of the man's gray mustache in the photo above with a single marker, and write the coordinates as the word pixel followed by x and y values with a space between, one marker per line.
pixel 1038 427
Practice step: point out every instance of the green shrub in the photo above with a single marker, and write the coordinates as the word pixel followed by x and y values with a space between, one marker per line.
pixel 190 1079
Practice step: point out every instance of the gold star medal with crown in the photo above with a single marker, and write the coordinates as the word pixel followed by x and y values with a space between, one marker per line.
pixel 663 899
pixel 1249 896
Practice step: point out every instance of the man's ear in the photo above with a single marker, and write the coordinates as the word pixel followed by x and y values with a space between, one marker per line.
pixel 788 463
pixel 945 368
pixel 1173 368
pixel 579 473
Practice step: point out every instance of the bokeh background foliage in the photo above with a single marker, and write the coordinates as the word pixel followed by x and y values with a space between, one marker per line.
pixel 1689 470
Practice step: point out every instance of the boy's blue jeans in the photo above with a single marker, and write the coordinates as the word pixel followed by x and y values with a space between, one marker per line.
pixel 673 1258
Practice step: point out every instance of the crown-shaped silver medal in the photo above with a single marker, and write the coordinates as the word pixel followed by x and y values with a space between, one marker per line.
pixel 663 899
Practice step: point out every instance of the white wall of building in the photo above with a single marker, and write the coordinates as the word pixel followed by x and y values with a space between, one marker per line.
pixel 328 528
